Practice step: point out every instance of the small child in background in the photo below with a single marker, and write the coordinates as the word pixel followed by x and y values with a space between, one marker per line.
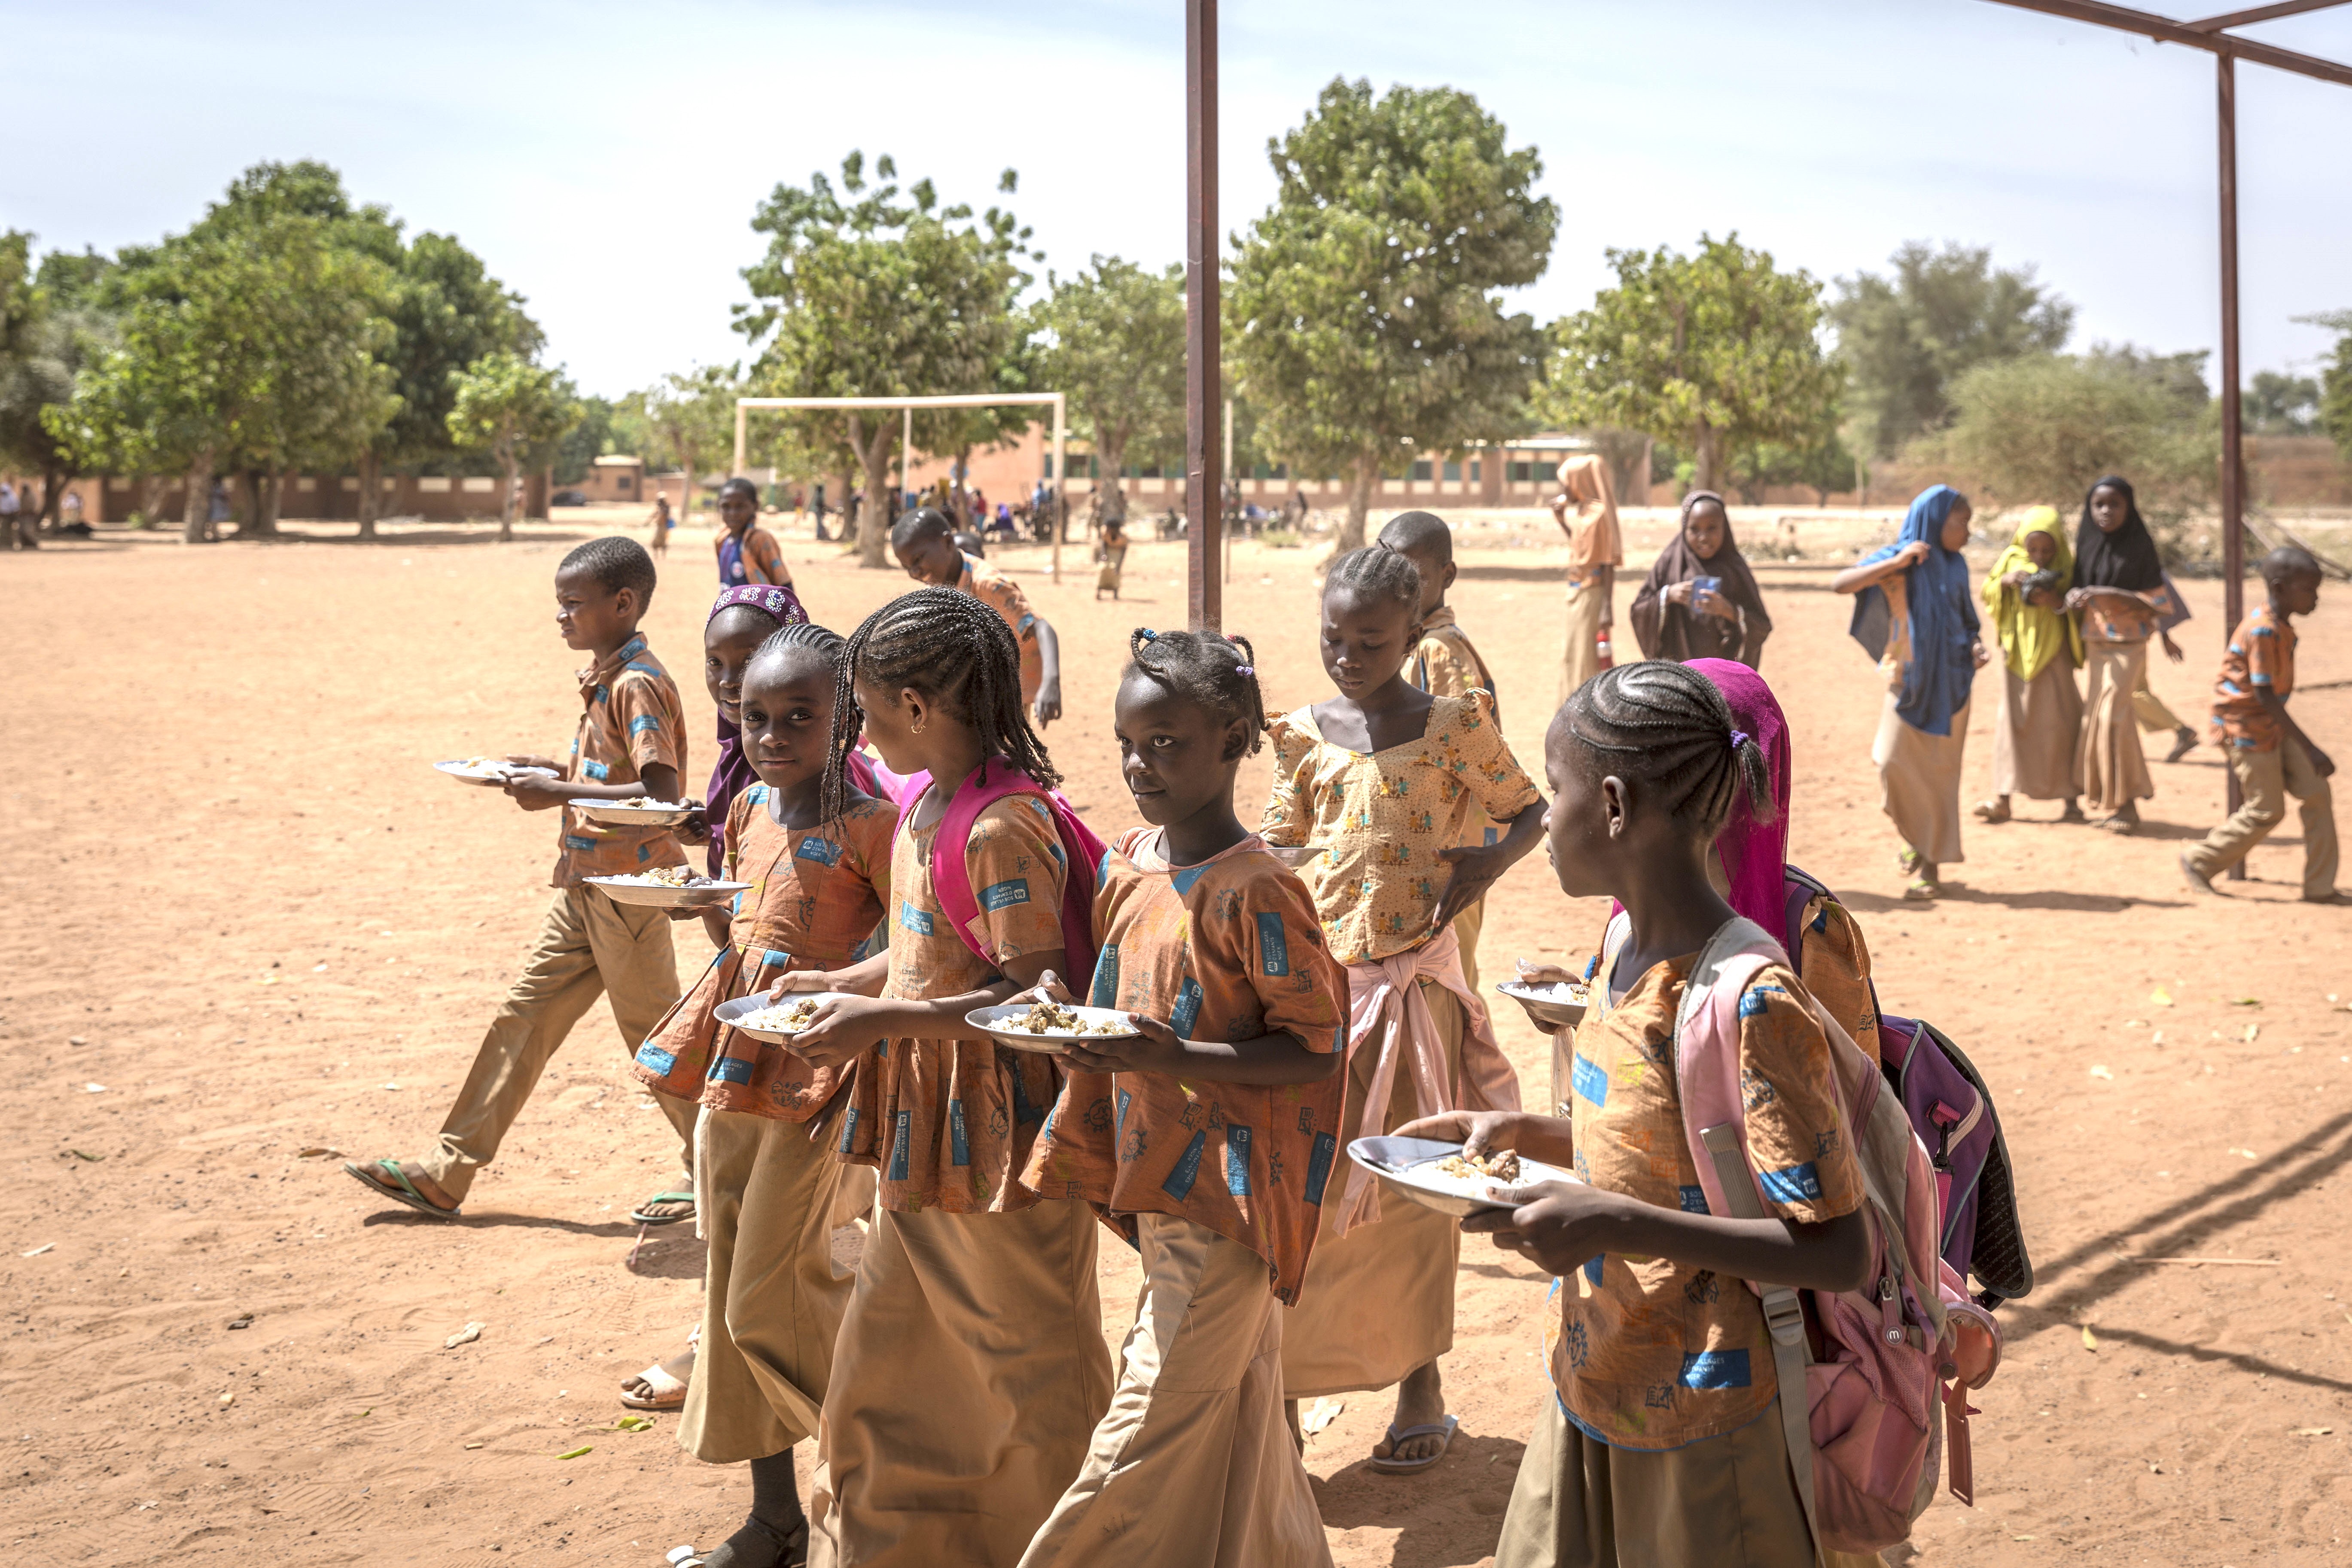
pixel 661 523
pixel 1445 664
pixel 2268 752
pixel 1374 786
pixel 1660 1441
pixel 748 554
pixel 631 741
pixel 971 1368
pixel 924 543
pixel 769 1189
pixel 1207 1143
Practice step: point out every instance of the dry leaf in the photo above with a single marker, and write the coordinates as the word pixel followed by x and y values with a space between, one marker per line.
pixel 2245 1001
pixel 227 1399
pixel 2253 1032
pixel 583 1448
pixel 473 1445
pixel 321 1151
pixel 2162 998
pixel 2103 1072
pixel 2312 1431
pixel 1320 1414
pixel 45 1247
pixel 2090 1340
pixel 464 1336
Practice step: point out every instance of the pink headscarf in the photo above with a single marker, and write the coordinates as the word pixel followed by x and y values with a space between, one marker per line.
pixel 1756 854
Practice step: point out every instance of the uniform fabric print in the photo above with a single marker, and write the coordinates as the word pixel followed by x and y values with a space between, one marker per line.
pixel 2261 659
pixel 1381 818
pixel 815 896
pixel 1228 949
pixel 1004 596
pixel 1649 1353
pixel 630 719
pixel 949 1122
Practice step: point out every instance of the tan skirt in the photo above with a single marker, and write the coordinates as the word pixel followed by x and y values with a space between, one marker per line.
pixel 1580 657
pixel 767 1199
pixel 1919 782
pixel 1377 1302
pixel 1194 1468
pixel 969 1378
pixel 2033 739
pixel 2107 755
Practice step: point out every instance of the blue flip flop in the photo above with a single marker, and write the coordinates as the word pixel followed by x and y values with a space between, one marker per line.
pixel 405 1192
pixel 1443 1429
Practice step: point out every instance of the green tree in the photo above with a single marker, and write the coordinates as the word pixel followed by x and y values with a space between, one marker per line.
pixel 2334 411
pixel 1906 338
pixel 1825 467
pixel 507 405
pixel 2039 429
pixel 49 330
pixel 1112 338
pixel 2282 404
pixel 879 296
pixel 1716 351
pixel 690 420
pixel 1364 319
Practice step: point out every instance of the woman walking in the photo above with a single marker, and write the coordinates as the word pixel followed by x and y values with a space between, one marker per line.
pixel 2119 597
pixel 2041 712
pixel 1595 551
pixel 1701 601
pixel 1913 614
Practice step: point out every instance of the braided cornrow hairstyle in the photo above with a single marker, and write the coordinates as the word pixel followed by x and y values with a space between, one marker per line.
pixel 1212 671
pixel 1667 726
pixel 1375 573
pixel 957 651
pixel 830 648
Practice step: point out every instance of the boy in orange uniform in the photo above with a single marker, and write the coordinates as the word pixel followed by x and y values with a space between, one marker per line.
pixel 924 543
pixel 1443 664
pixel 2268 752
pixel 748 553
pixel 631 741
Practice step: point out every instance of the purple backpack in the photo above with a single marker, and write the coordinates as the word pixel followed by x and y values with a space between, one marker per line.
pixel 1951 1110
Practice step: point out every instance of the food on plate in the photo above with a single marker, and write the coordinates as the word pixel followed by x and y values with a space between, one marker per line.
pixel 638 803
pixel 667 876
pixel 1567 991
pixel 786 1018
pixel 1053 1019
pixel 1499 1165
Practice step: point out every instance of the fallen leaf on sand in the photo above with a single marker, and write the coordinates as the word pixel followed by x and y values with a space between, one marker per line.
pixel 93 1089
pixel 2090 1340
pixel 2312 1431
pixel 321 1151
pixel 2162 998
pixel 242 1321
pixel 2245 1001
pixel 464 1336
pixel 83 1154
pixel 1320 1414
pixel 45 1247
pixel 473 1445
pixel 2103 1072
pixel 2253 1032
pixel 227 1399
pixel 583 1448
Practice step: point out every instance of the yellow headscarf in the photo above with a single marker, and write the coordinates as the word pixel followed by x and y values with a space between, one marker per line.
pixel 2031 636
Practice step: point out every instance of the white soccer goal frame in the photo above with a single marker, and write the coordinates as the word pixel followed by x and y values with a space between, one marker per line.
pixel 907 406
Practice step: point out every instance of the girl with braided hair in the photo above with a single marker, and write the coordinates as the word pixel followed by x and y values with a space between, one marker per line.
pixel 770 1190
pixel 1373 788
pixel 924 541
pixel 1207 1142
pixel 1660 1437
pixel 971 1367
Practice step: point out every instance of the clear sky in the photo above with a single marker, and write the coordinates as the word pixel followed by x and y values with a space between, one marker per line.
pixel 605 160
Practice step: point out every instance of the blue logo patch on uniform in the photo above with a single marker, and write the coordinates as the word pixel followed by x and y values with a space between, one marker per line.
pixel 849 1129
pixel 1105 987
pixel 1237 1147
pixel 1592 1267
pixel 775 960
pixel 1119 1123
pixel 1187 1008
pixel 644 724
pixel 1182 880
pixel 824 851
pixel 1589 1081
pixel 959 1148
pixel 1795 1185
pixel 730 1069
pixel 913 919
pixel 1180 1180
pixel 1318 1166
pixel 646 853
pixel 653 1058
pixel 899 1140
pixel 1273 947
pixel 1756 999
pixel 1006 894
pixel 574 841
pixel 1716 1369
pixel 594 769
pixel 1694 1200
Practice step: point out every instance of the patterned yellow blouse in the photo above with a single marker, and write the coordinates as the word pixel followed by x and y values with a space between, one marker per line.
pixel 1380 819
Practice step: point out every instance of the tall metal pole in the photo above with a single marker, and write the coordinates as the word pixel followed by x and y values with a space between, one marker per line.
pixel 1203 486
pixel 2234 499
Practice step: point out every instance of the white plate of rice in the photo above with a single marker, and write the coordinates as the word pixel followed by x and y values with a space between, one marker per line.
pixel 780 1021
pixel 1050 1026
pixel 492 773
pixel 639 812
pixel 671 888
pixel 1435 1174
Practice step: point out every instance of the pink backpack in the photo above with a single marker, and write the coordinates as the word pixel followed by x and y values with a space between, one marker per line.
pixel 1082 855
pixel 1865 1444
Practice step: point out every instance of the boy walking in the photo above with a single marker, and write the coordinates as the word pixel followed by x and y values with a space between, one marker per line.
pixel 1443 664
pixel 631 741
pixel 924 543
pixel 2269 754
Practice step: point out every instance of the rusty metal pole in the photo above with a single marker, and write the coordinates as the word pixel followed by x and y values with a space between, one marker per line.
pixel 1204 393
pixel 2233 495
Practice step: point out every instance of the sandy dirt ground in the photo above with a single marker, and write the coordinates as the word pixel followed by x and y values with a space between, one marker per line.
pixel 246 921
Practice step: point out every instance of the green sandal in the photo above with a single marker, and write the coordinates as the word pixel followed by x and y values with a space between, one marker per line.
pixel 403 1193
pixel 642 1217
pixel 1909 861
pixel 1922 891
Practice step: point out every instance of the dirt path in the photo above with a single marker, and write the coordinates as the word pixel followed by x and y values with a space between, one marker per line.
pixel 243 905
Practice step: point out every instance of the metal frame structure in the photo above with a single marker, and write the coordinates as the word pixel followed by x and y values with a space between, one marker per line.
pixel 907 406
pixel 2213 36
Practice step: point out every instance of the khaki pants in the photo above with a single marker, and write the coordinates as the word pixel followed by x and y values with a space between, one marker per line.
pixel 969 1378
pixel 1581 660
pixel 1193 1466
pixel 1727 1502
pixel 773 1298
pixel 2150 710
pixel 2266 779
pixel 588 946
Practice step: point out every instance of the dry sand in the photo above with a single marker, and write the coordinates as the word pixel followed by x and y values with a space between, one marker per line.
pixel 244 905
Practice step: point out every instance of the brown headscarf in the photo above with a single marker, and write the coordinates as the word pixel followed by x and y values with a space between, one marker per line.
pixel 1678 633
pixel 1594 541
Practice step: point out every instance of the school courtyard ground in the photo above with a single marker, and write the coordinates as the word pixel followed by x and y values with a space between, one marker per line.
pixel 251 932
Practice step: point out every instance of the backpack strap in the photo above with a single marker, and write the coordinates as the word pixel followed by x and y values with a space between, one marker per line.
pixel 1082 855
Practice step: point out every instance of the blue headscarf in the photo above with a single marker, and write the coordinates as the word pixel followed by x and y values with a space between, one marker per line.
pixel 1943 619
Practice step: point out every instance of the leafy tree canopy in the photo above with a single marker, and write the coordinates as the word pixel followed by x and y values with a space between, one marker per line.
pixel 1363 318
pixel 1112 337
pixel 515 410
